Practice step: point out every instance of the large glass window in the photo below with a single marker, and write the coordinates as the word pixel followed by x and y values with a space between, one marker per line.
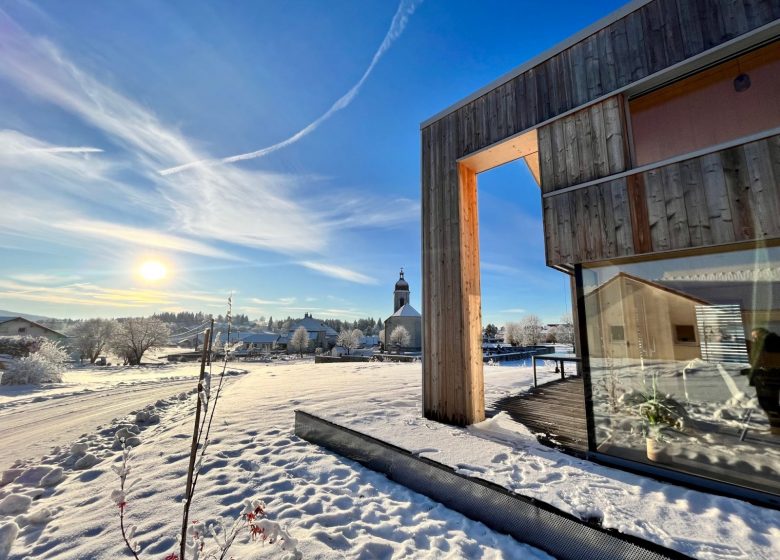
pixel 684 359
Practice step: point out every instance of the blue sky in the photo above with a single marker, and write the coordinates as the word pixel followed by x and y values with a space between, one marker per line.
pixel 104 104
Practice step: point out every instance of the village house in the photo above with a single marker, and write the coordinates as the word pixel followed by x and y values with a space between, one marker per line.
pixel 19 326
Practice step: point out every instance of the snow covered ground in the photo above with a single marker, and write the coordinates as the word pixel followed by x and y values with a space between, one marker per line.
pixel 334 507
pixel 505 453
pixel 88 378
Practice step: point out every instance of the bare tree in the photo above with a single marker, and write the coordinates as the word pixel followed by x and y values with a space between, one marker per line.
pixel 531 328
pixel 513 334
pixel 400 337
pixel 299 341
pixel 92 336
pixel 134 336
pixel 349 339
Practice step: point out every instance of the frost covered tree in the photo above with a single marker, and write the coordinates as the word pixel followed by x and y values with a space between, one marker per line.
pixel 564 333
pixel 531 330
pixel 299 341
pixel 513 334
pixel 134 336
pixel 349 339
pixel 92 336
pixel 42 366
pixel 400 337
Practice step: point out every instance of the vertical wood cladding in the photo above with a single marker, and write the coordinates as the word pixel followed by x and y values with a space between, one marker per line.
pixel 738 186
pixel 586 145
pixel 722 197
pixel 589 224
pixel 650 39
pixel 452 328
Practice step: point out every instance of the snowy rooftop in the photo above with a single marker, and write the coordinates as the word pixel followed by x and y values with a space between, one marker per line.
pixel 406 311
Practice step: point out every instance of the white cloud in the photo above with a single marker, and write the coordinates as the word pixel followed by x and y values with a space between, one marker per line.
pixel 142 237
pixel 279 301
pixel 405 10
pixel 94 295
pixel 339 272
pixel 256 209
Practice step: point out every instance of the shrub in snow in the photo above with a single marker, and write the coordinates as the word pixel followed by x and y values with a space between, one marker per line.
pixel 19 346
pixel 45 365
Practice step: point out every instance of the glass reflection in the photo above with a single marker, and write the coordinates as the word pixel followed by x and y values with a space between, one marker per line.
pixel 684 359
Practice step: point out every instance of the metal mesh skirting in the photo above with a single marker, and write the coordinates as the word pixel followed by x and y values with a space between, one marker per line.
pixel 535 523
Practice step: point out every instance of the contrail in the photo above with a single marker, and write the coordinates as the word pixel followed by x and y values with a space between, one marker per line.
pixel 405 10
pixel 67 150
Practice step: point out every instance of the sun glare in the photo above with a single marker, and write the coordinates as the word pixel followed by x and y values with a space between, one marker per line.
pixel 152 271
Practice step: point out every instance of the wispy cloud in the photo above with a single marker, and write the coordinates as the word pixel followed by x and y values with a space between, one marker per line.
pixel 191 212
pixel 279 301
pixel 37 278
pixel 339 272
pixel 142 237
pixel 513 310
pixel 94 295
pixel 405 10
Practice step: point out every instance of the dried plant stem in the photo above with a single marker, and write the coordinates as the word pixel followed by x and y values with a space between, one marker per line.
pixel 190 488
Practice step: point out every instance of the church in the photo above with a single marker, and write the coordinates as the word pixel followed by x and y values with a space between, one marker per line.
pixel 406 316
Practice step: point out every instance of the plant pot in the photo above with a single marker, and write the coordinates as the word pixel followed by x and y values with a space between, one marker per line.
pixel 655 449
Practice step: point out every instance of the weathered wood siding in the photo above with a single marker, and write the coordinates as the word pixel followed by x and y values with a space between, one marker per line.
pixel 723 197
pixel 727 196
pixel 650 39
pixel 588 224
pixel 453 389
pixel 583 146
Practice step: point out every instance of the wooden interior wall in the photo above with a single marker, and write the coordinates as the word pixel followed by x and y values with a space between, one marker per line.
pixel 583 146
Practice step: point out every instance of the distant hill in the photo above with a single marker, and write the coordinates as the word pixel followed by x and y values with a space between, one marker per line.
pixel 30 316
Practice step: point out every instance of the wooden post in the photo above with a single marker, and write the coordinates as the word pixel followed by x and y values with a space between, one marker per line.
pixel 453 390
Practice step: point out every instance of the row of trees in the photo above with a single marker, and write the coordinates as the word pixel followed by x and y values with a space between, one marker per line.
pixel 529 331
pixel 127 338
pixel 189 319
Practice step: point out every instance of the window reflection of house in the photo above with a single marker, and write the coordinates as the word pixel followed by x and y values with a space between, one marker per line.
pixel 648 319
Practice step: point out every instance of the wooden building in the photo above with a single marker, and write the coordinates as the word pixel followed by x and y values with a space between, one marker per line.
pixel 654 136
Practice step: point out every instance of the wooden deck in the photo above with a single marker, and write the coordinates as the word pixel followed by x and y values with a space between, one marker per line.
pixel 555 411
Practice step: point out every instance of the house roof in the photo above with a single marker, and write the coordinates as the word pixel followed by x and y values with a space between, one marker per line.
pixel 406 311
pixel 650 283
pixel 260 338
pixel 7 319
pixel 313 325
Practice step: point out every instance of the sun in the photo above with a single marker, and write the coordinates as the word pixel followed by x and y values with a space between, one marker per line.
pixel 152 271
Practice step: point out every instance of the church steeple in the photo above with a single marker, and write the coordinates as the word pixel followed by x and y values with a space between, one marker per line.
pixel 401 294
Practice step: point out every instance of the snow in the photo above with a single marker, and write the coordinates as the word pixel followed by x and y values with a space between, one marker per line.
pixel 89 378
pixel 332 506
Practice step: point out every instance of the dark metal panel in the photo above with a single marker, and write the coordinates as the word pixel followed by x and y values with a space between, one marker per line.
pixel 529 521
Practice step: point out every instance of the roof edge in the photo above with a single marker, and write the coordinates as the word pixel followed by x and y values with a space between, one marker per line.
pixel 538 59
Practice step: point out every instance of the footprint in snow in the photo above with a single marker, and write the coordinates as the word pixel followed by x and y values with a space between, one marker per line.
pixel 500 458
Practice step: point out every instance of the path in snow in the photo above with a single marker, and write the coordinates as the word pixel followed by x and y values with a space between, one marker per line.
pixel 29 431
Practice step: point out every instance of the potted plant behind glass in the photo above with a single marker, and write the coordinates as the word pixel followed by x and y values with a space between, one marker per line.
pixel 659 413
